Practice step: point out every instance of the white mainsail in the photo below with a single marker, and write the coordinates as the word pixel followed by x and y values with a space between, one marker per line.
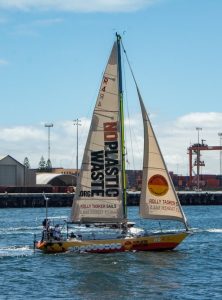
pixel 158 196
pixel 99 189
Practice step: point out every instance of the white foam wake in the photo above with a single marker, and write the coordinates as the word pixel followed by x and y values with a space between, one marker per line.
pixel 201 230
pixel 217 230
pixel 15 251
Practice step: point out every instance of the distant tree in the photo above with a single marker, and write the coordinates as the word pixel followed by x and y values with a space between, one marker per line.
pixel 42 164
pixel 26 162
pixel 49 165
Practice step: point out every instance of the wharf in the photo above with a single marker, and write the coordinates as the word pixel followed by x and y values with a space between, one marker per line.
pixel 186 198
pixel 16 200
pixel 22 200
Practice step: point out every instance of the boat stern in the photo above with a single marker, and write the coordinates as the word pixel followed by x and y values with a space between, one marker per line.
pixel 51 246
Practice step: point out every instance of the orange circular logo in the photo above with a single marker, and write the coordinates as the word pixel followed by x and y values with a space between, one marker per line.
pixel 158 185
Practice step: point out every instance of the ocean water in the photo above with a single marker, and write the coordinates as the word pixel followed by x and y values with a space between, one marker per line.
pixel 191 271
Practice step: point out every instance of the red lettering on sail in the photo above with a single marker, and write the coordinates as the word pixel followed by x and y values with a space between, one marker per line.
pixel 110 131
pixel 110 126
pixel 110 136
pixel 105 80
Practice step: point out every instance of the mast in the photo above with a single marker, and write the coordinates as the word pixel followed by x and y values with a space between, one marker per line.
pixel 118 38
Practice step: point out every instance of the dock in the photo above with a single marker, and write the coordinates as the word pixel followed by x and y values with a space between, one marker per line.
pixel 186 198
pixel 22 200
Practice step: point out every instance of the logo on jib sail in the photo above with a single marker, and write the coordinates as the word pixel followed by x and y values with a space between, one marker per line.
pixel 158 185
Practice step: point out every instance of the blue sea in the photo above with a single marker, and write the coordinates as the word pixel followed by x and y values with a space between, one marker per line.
pixel 191 271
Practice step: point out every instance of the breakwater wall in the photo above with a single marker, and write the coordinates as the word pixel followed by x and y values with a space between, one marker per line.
pixel 16 200
pixel 187 198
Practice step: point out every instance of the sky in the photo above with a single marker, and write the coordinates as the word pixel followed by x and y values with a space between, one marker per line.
pixel 53 54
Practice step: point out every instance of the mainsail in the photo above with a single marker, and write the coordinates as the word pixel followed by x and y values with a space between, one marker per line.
pixel 99 188
pixel 158 196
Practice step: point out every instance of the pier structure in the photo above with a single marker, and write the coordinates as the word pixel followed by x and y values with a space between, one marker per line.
pixel 23 200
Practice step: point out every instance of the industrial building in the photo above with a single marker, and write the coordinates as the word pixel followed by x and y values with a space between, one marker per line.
pixel 13 173
pixel 15 177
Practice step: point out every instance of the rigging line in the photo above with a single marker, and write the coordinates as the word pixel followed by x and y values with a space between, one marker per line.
pixel 131 70
pixel 128 114
pixel 134 79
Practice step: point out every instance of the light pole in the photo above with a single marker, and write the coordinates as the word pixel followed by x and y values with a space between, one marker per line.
pixel 198 157
pixel 220 136
pixel 48 125
pixel 77 122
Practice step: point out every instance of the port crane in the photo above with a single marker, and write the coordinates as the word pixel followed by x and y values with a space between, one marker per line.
pixel 195 149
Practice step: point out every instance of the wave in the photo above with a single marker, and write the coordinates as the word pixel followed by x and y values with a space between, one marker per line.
pixel 15 251
pixel 19 231
pixel 211 230
pixel 217 230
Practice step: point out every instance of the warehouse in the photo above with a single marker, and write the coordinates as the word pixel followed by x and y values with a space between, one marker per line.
pixel 13 173
pixel 55 179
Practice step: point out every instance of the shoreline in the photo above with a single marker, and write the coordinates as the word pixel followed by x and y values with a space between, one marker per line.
pixel 23 200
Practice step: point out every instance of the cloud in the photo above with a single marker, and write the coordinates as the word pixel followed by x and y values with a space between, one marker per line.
pixel 78 5
pixel 21 134
pixel 47 22
pixel 174 138
pixel 3 62
pixel 29 29
pixel 197 119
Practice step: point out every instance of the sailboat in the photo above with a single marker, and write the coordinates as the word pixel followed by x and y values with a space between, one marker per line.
pixel 99 222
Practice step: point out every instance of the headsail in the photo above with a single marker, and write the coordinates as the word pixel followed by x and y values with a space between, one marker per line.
pixel 99 188
pixel 158 196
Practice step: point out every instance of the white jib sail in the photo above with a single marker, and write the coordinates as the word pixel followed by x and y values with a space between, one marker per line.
pixel 158 196
pixel 99 189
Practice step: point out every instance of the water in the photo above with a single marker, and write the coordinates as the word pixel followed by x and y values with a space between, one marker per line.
pixel 192 271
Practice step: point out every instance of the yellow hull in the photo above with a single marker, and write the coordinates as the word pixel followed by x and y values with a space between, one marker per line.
pixel 155 242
